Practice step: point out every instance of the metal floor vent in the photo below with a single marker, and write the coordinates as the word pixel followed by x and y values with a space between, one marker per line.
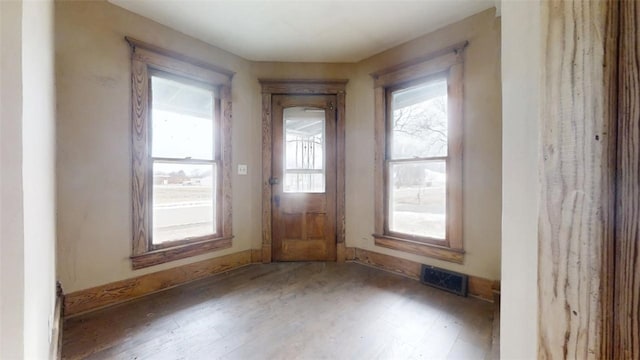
pixel 444 279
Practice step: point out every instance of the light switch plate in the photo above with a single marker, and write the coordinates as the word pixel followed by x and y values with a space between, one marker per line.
pixel 242 169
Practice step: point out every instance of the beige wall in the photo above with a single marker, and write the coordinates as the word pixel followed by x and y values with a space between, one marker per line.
pixel 94 155
pixel 94 137
pixel 27 230
pixel 521 63
pixel 482 152
pixel 11 206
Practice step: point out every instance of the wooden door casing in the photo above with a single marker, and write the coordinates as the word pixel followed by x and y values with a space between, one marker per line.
pixel 626 328
pixel 304 224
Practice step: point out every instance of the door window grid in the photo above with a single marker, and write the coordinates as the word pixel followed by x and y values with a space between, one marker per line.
pixel 304 150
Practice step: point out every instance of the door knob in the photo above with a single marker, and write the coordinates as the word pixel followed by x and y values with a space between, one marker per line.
pixel 274 181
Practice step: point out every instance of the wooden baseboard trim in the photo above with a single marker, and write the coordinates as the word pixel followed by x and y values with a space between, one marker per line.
pixel 256 256
pixel 120 291
pixel 478 287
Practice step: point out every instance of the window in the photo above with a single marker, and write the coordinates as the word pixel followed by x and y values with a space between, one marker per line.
pixel 419 156
pixel 181 156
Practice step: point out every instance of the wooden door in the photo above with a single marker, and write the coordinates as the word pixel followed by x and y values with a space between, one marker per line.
pixel 303 177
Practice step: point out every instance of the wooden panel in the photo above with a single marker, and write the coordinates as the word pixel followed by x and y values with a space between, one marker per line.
pixel 627 283
pixel 297 87
pixel 380 133
pixel 156 52
pixel 227 203
pixel 140 134
pixel 455 48
pixel 256 256
pixel 483 288
pixel 315 225
pixel 120 291
pixel 390 263
pixel 418 70
pixel 292 226
pixel 309 206
pixel 577 142
pixel 434 251
pixel 309 250
pixel 455 102
pixel 164 255
pixel 303 86
pixel 266 175
pixel 478 287
pixel 340 170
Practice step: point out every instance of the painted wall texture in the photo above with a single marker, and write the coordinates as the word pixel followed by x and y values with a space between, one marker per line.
pixel 482 155
pixel 521 63
pixel 94 151
pixel 27 181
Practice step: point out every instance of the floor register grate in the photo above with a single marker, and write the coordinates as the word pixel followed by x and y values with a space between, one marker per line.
pixel 444 279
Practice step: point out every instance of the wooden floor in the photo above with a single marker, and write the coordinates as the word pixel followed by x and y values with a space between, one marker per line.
pixel 288 311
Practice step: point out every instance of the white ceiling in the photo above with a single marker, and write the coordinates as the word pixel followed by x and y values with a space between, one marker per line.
pixel 307 30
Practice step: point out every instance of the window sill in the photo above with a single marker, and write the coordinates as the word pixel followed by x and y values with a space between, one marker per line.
pixel 418 248
pixel 160 256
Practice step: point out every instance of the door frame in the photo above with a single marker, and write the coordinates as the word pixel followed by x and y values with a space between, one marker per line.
pixel 272 87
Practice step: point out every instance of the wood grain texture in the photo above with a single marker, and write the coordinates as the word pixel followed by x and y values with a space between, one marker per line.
pixel 266 175
pixel 304 224
pixel 379 151
pixel 446 63
pixel 153 50
pixel 161 256
pixel 482 288
pixel 627 283
pixel 303 86
pixel 272 87
pixel 418 69
pixel 340 169
pixel 147 58
pixel 140 171
pixel 455 104
pixel 121 291
pixel 478 287
pixel 227 132
pixel 288 311
pixel 455 49
pixel 577 169
pixel 413 247
pixel 256 256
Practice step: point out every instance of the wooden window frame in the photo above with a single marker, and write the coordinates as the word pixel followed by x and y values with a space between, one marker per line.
pixel 147 59
pixel 447 64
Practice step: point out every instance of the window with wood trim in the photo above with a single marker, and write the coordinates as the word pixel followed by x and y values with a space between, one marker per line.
pixel 181 128
pixel 419 156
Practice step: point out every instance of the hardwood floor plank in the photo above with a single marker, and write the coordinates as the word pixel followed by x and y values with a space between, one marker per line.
pixel 286 311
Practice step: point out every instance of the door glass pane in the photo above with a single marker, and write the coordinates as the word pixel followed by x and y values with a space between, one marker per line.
pixel 183 201
pixel 417 198
pixel 419 121
pixel 182 120
pixel 304 140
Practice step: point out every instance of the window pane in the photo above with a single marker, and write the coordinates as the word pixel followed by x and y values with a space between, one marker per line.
pixel 183 201
pixel 419 121
pixel 417 198
pixel 182 120
pixel 304 150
